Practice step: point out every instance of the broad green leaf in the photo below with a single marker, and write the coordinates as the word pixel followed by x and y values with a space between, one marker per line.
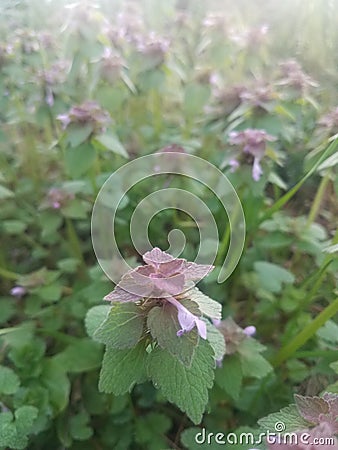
pixel 54 378
pixel 9 381
pixel 68 265
pixel 79 159
pixel 271 276
pixel 163 325
pixel 94 318
pixel 329 332
pixel 7 310
pixel 186 387
pixel 123 326
pixel 14 430
pixel 122 369
pixel 334 366
pixel 14 226
pixel 206 305
pixel 253 364
pixel 78 426
pixel 24 418
pixel 75 209
pixel 50 293
pixel 289 416
pixel 82 356
pixel 76 134
pixel 216 340
pixel 111 142
pixel 229 376
pixel 150 430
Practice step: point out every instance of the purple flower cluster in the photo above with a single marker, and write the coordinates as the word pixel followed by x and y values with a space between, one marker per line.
pixel 253 142
pixel 330 121
pixel 233 334
pixel 88 112
pixel 163 278
pixel 322 412
pixel 56 198
pixel 294 77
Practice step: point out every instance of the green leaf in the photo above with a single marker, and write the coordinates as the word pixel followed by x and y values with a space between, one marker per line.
pixel 123 326
pixel 75 209
pixel 14 432
pixel 76 134
pixel 150 430
pixel 206 305
pixel 187 387
pixel 329 332
pixel 9 381
pixel 51 293
pixel 163 325
pixel 216 340
pixel 111 142
pixel 14 226
pixel 5 193
pixel 54 378
pixel 253 364
pixel 334 366
pixel 289 416
pixel 271 276
pixel 79 159
pixel 7 310
pixel 68 265
pixel 81 356
pixel 78 427
pixel 229 376
pixel 94 318
pixel 122 369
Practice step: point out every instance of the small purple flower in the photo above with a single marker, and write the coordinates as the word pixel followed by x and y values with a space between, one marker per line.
pixel 163 277
pixel 57 198
pixel 18 291
pixel 250 330
pixel 187 320
pixel 253 142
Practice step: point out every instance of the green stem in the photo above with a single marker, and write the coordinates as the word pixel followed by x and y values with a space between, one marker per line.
pixel 76 246
pixel 316 354
pixel 286 197
pixel 291 347
pixel 318 199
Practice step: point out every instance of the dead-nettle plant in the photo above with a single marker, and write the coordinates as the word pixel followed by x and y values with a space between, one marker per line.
pixel 159 327
pixel 309 424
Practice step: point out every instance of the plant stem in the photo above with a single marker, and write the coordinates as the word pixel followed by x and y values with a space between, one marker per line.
pixel 76 247
pixel 306 334
pixel 286 197
pixel 318 199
